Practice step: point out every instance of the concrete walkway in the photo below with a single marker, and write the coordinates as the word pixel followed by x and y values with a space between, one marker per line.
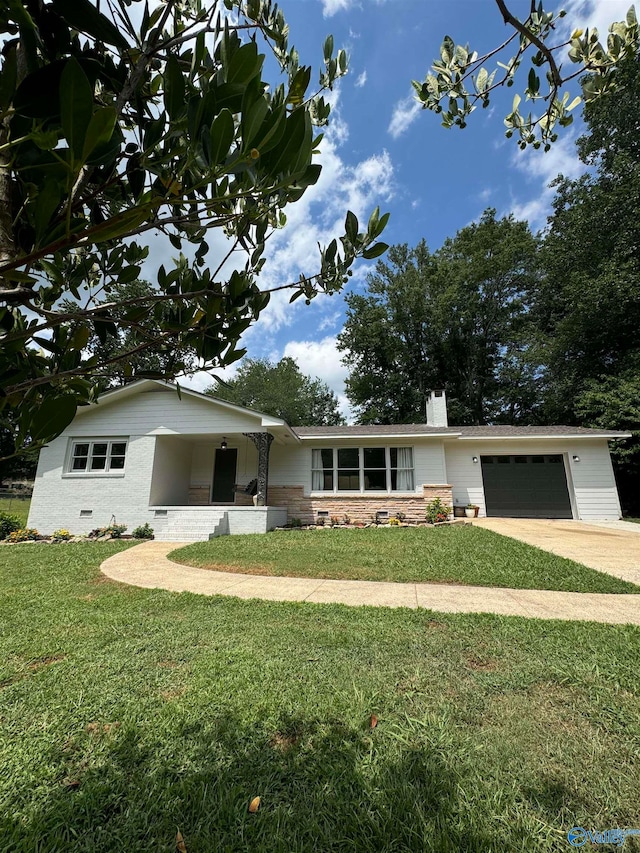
pixel 147 566
pixel 607 546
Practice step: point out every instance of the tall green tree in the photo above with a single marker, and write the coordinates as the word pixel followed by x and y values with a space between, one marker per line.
pixel 124 118
pixel 283 391
pixel 587 307
pixel 613 402
pixel 588 304
pixel 454 319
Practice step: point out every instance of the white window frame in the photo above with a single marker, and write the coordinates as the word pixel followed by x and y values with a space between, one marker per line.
pixel 107 471
pixel 361 469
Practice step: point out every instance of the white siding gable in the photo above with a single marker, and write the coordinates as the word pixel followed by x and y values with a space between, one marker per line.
pixel 161 412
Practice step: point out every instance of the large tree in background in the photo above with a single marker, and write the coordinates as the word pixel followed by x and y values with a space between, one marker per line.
pixel 283 391
pixel 135 350
pixel 588 305
pixel 390 355
pixel 453 319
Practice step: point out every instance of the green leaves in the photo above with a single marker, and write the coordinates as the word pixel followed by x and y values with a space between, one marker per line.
pixel 172 130
pixel 252 120
pixel 76 106
pixel 375 251
pixel 83 16
pixel 351 226
pixel 245 64
pixel 99 130
pixel 48 417
pixel 447 91
pixel 174 89
pixel 221 136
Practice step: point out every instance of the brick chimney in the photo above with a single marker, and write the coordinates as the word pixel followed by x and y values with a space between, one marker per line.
pixel 437 409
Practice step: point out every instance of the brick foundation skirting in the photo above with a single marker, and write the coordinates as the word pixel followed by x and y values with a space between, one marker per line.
pixel 356 507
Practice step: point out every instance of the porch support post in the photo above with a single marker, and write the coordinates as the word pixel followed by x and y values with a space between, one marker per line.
pixel 262 441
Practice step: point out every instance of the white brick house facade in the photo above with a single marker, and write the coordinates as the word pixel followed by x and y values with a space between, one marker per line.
pixel 143 454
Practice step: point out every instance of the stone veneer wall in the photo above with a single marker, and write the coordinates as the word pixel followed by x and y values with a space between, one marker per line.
pixel 358 507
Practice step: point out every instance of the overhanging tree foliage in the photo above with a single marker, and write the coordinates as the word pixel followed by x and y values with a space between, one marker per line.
pixel 462 79
pixel 153 118
pixel 454 319
pixel 124 354
pixel 283 391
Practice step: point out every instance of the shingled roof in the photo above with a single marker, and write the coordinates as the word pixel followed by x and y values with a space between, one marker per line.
pixel 456 432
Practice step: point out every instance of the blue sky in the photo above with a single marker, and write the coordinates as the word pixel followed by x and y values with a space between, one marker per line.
pixel 381 149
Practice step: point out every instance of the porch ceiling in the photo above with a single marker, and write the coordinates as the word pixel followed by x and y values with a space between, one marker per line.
pixel 281 435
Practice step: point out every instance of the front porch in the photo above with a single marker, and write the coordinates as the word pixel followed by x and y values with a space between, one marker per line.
pixel 203 486
pixel 199 523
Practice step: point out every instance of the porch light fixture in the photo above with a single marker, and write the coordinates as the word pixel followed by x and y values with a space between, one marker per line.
pixel 223 443
pixel 474 459
pixel 576 458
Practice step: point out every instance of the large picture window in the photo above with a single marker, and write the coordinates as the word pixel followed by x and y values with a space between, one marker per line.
pixel 101 456
pixel 362 469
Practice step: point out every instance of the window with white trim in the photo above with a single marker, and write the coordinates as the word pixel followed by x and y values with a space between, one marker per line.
pixel 97 456
pixel 362 469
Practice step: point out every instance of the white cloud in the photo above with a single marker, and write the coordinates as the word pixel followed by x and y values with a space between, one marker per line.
pixel 541 168
pixel 545 165
pixel 322 359
pixel 318 359
pixel 317 217
pixel 404 114
pixel 204 379
pixel 595 13
pixel 361 79
pixel 330 321
pixel 331 7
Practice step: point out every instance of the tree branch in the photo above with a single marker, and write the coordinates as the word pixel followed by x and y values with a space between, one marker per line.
pixel 542 47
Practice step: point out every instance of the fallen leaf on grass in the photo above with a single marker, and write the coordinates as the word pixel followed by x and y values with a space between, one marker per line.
pixel 181 847
pixel 254 805
pixel 373 722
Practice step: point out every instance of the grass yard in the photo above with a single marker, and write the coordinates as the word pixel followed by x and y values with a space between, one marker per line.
pixel 454 554
pixel 16 506
pixel 129 714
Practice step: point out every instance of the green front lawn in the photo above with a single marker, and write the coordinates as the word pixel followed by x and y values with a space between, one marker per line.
pixel 127 714
pixel 16 506
pixel 455 554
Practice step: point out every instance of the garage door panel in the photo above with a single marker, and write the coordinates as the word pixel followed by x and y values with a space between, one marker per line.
pixel 526 486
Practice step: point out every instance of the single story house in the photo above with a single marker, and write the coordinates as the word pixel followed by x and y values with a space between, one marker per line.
pixel 193 466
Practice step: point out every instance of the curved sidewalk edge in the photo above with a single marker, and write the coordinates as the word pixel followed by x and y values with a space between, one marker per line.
pixel 147 566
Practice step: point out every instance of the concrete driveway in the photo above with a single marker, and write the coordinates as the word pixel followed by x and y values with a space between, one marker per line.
pixel 611 547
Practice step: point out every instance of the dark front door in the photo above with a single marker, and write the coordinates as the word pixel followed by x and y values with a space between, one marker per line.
pixel 224 476
pixel 526 486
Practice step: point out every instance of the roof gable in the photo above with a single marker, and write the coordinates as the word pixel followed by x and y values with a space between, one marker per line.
pixel 143 386
pixel 154 407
